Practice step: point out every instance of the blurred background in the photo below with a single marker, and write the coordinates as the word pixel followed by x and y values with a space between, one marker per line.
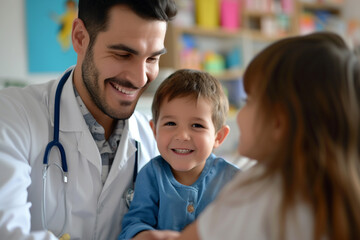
pixel 219 36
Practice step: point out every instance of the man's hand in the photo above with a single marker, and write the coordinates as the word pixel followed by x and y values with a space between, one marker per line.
pixel 156 235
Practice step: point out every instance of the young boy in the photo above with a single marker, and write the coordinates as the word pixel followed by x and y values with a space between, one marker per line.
pixel 189 112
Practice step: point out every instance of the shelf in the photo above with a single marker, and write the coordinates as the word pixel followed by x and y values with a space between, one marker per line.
pixel 258 28
pixel 259 14
pixel 229 75
pixel 310 13
pixel 209 32
pixel 218 40
pixel 334 7
pixel 257 35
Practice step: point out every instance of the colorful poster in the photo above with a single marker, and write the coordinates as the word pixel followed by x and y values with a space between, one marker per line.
pixel 48 28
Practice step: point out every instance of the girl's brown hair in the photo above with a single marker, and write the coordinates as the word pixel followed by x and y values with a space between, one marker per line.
pixel 315 80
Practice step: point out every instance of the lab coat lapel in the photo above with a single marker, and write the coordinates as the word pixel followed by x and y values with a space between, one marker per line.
pixel 72 121
pixel 89 150
pixel 125 152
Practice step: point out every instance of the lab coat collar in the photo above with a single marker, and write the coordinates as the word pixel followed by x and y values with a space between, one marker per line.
pixel 132 125
pixel 71 119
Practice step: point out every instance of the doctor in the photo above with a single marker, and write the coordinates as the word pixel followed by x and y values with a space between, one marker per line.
pixel 119 43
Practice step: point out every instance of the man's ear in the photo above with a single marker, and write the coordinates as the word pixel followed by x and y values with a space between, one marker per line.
pixel 221 135
pixel 153 127
pixel 79 36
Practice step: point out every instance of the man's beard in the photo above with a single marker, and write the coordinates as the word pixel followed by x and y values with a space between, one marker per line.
pixel 90 78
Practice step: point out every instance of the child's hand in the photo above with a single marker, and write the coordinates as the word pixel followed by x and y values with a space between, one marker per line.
pixel 156 235
pixel 65 236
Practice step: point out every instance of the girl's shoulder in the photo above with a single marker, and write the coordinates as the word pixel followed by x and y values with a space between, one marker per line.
pixel 248 187
pixel 254 204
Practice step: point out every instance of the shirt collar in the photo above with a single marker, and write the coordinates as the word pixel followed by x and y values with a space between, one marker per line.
pixel 97 131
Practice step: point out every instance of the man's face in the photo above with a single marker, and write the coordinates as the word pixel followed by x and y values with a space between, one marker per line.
pixel 121 63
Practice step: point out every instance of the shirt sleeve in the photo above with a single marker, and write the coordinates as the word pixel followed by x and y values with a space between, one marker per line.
pixel 144 208
pixel 252 212
pixel 15 174
pixel 236 213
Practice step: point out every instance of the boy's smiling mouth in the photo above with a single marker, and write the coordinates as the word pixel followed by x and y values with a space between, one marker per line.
pixel 181 150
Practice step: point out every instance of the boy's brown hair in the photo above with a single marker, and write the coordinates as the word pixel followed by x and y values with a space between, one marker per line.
pixel 196 84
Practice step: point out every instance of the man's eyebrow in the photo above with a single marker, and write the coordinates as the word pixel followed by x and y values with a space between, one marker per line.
pixel 160 52
pixel 123 47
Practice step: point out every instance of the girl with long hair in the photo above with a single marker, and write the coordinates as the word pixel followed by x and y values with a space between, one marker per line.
pixel 301 123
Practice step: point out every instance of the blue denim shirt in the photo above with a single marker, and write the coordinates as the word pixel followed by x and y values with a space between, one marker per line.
pixel 161 202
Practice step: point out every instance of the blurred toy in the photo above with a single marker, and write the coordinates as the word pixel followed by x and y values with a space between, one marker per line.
pixel 235 92
pixel 190 56
pixel 207 13
pixel 229 15
pixel 233 59
pixel 214 63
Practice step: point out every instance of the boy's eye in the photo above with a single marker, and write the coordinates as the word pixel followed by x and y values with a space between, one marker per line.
pixel 169 124
pixel 197 125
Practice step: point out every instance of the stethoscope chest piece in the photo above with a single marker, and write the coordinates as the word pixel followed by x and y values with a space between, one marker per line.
pixel 129 195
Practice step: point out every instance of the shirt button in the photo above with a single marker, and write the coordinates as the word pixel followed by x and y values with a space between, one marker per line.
pixel 190 208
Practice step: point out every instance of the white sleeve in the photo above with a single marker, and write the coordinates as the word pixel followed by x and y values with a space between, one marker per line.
pixel 15 175
pixel 237 213
pixel 252 212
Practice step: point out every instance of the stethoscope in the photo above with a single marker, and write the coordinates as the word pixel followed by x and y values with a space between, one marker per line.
pixel 63 168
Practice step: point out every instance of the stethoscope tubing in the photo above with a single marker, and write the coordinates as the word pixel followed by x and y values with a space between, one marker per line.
pixel 64 168
pixel 55 141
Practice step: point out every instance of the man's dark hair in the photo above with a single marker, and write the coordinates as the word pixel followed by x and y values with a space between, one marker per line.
pixel 95 13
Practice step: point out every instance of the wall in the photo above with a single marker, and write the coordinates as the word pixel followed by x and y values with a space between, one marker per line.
pixel 13 55
pixel 12 39
pixel 352 9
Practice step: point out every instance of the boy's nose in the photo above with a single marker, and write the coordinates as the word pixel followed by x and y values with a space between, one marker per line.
pixel 182 135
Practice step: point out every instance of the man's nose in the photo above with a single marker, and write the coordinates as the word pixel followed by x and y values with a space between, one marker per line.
pixel 137 74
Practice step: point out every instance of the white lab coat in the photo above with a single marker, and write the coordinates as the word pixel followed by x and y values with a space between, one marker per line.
pixel 94 210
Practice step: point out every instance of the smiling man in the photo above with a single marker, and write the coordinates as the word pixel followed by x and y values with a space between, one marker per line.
pixel 118 65
pixel 118 43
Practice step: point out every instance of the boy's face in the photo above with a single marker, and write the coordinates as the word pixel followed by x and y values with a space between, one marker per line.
pixel 185 134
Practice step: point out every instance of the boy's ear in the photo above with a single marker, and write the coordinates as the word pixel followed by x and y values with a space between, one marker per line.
pixel 79 36
pixel 221 135
pixel 153 127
